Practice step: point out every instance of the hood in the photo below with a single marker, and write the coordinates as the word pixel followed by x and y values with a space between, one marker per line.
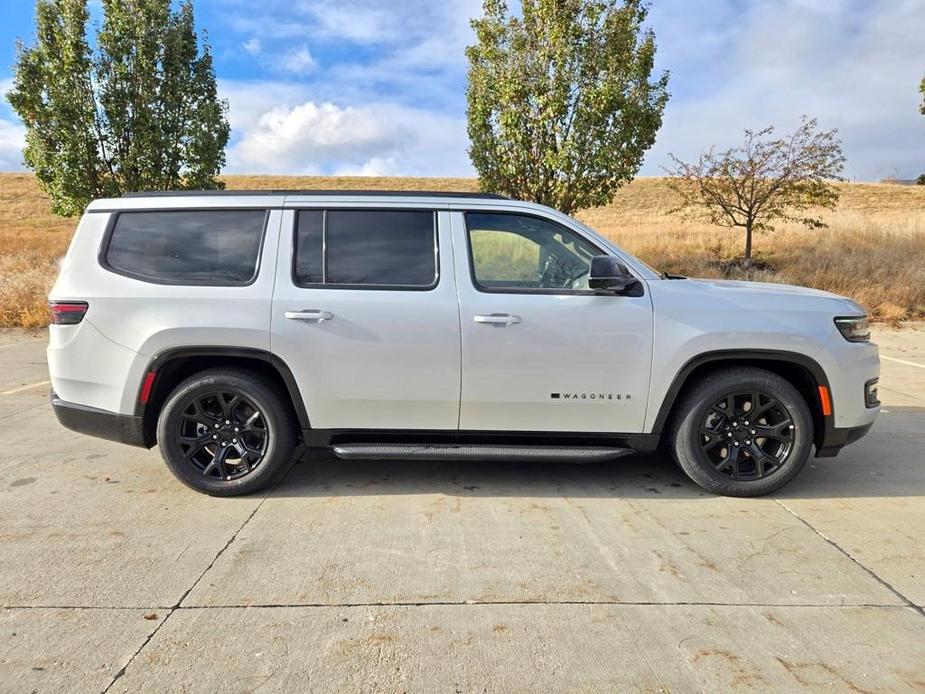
pixel 763 295
pixel 763 288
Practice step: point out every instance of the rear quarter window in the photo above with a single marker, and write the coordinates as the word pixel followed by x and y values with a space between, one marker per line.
pixel 204 247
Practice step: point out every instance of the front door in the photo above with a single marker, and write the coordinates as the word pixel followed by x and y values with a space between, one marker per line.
pixel 366 316
pixel 540 351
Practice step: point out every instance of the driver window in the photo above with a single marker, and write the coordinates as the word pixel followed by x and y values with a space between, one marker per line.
pixel 511 251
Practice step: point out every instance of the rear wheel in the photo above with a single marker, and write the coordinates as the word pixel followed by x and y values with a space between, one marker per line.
pixel 742 432
pixel 227 432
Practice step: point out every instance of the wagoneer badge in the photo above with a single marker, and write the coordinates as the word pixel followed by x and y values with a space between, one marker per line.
pixel 590 396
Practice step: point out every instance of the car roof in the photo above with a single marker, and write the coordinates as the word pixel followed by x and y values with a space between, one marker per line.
pixel 319 193
pixel 266 199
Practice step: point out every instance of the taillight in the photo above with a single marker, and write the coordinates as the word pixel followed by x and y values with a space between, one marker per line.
pixel 67 312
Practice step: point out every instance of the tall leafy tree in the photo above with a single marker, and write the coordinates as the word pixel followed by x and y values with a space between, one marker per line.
pixel 562 104
pixel 765 180
pixel 136 110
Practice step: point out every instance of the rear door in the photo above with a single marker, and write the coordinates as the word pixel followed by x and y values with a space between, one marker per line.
pixel 366 316
pixel 542 352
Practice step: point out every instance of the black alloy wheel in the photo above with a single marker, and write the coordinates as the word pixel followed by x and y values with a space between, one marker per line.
pixel 223 434
pixel 741 431
pixel 747 435
pixel 228 431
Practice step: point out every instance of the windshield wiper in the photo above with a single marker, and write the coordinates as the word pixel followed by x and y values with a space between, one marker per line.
pixel 669 276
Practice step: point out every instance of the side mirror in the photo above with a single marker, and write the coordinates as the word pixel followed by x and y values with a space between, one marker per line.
pixel 608 274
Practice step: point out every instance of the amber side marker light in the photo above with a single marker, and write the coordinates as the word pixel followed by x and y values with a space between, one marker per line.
pixel 825 401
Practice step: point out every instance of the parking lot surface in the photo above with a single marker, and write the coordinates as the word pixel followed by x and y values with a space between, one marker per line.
pixel 417 576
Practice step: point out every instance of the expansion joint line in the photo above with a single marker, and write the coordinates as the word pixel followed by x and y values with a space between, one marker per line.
pixel 174 608
pixel 870 572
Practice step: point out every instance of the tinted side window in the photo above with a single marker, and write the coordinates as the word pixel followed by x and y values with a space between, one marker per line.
pixel 377 248
pixel 187 247
pixel 517 252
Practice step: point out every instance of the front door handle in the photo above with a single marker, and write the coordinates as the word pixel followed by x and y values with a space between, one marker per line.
pixel 497 319
pixel 309 314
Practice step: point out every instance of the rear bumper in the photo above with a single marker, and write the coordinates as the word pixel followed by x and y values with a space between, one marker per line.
pixel 103 424
pixel 837 438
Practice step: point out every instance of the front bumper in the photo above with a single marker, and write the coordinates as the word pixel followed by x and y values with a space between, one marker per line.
pixel 835 439
pixel 103 424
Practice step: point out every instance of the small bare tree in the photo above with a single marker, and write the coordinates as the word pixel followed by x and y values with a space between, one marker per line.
pixel 764 180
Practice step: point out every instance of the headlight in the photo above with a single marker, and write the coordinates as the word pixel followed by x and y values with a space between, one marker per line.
pixel 854 328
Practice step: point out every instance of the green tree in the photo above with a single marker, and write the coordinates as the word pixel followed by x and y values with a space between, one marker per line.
pixel 136 111
pixel 561 109
pixel 764 180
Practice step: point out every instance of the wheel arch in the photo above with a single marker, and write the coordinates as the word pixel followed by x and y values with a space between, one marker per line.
pixel 800 370
pixel 172 366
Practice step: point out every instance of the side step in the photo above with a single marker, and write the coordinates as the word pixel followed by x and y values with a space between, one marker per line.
pixel 452 451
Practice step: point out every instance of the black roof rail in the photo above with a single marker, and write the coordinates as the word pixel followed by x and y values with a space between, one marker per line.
pixel 370 193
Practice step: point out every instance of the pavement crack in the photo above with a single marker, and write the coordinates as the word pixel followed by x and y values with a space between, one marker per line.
pixel 467 603
pixel 135 654
pixel 176 607
pixel 221 552
pixel 870 572
pixel 514 603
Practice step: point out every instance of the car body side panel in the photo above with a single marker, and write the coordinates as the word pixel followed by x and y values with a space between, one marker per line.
pixel 572 363
pixel 690 322
pixel 129 321
pixel 386 358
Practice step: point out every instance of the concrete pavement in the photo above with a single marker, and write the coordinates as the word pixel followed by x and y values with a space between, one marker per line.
pixel 448 576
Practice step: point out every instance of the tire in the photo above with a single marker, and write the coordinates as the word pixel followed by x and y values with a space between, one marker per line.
pixel 234 407
pixel 716 443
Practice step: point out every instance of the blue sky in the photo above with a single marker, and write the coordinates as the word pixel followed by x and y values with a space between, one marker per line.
pixel 376 87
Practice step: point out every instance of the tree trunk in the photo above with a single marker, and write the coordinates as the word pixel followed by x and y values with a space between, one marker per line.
pixel 748 244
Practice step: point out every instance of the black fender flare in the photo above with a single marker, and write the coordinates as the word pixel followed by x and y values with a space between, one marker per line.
pixel 718 357
pixel 166 356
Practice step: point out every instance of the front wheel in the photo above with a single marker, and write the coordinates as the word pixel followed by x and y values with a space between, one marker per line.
pixel 227 432
pixel 742 432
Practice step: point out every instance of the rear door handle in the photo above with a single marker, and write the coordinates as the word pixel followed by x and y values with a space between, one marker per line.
pixel 497 319
pixel 309 314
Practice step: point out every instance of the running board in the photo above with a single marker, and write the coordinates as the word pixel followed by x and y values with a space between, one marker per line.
pixel 450 451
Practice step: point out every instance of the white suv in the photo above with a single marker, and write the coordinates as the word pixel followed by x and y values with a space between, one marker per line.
pixel 229 328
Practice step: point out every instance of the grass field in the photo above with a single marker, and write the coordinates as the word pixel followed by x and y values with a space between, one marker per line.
pixel 873 250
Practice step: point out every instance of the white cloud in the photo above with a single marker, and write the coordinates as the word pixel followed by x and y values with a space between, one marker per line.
pixel 372 21
pixel 851 64
pixel 355 22
pixel 12 133
pixel 279 128
pixel 252 46
pixel 309 135
pixel 413 50
pixel 298 61
pixel 377 166
pixel 12 141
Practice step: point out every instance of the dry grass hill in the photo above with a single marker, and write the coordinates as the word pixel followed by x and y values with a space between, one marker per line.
pixel 873 250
